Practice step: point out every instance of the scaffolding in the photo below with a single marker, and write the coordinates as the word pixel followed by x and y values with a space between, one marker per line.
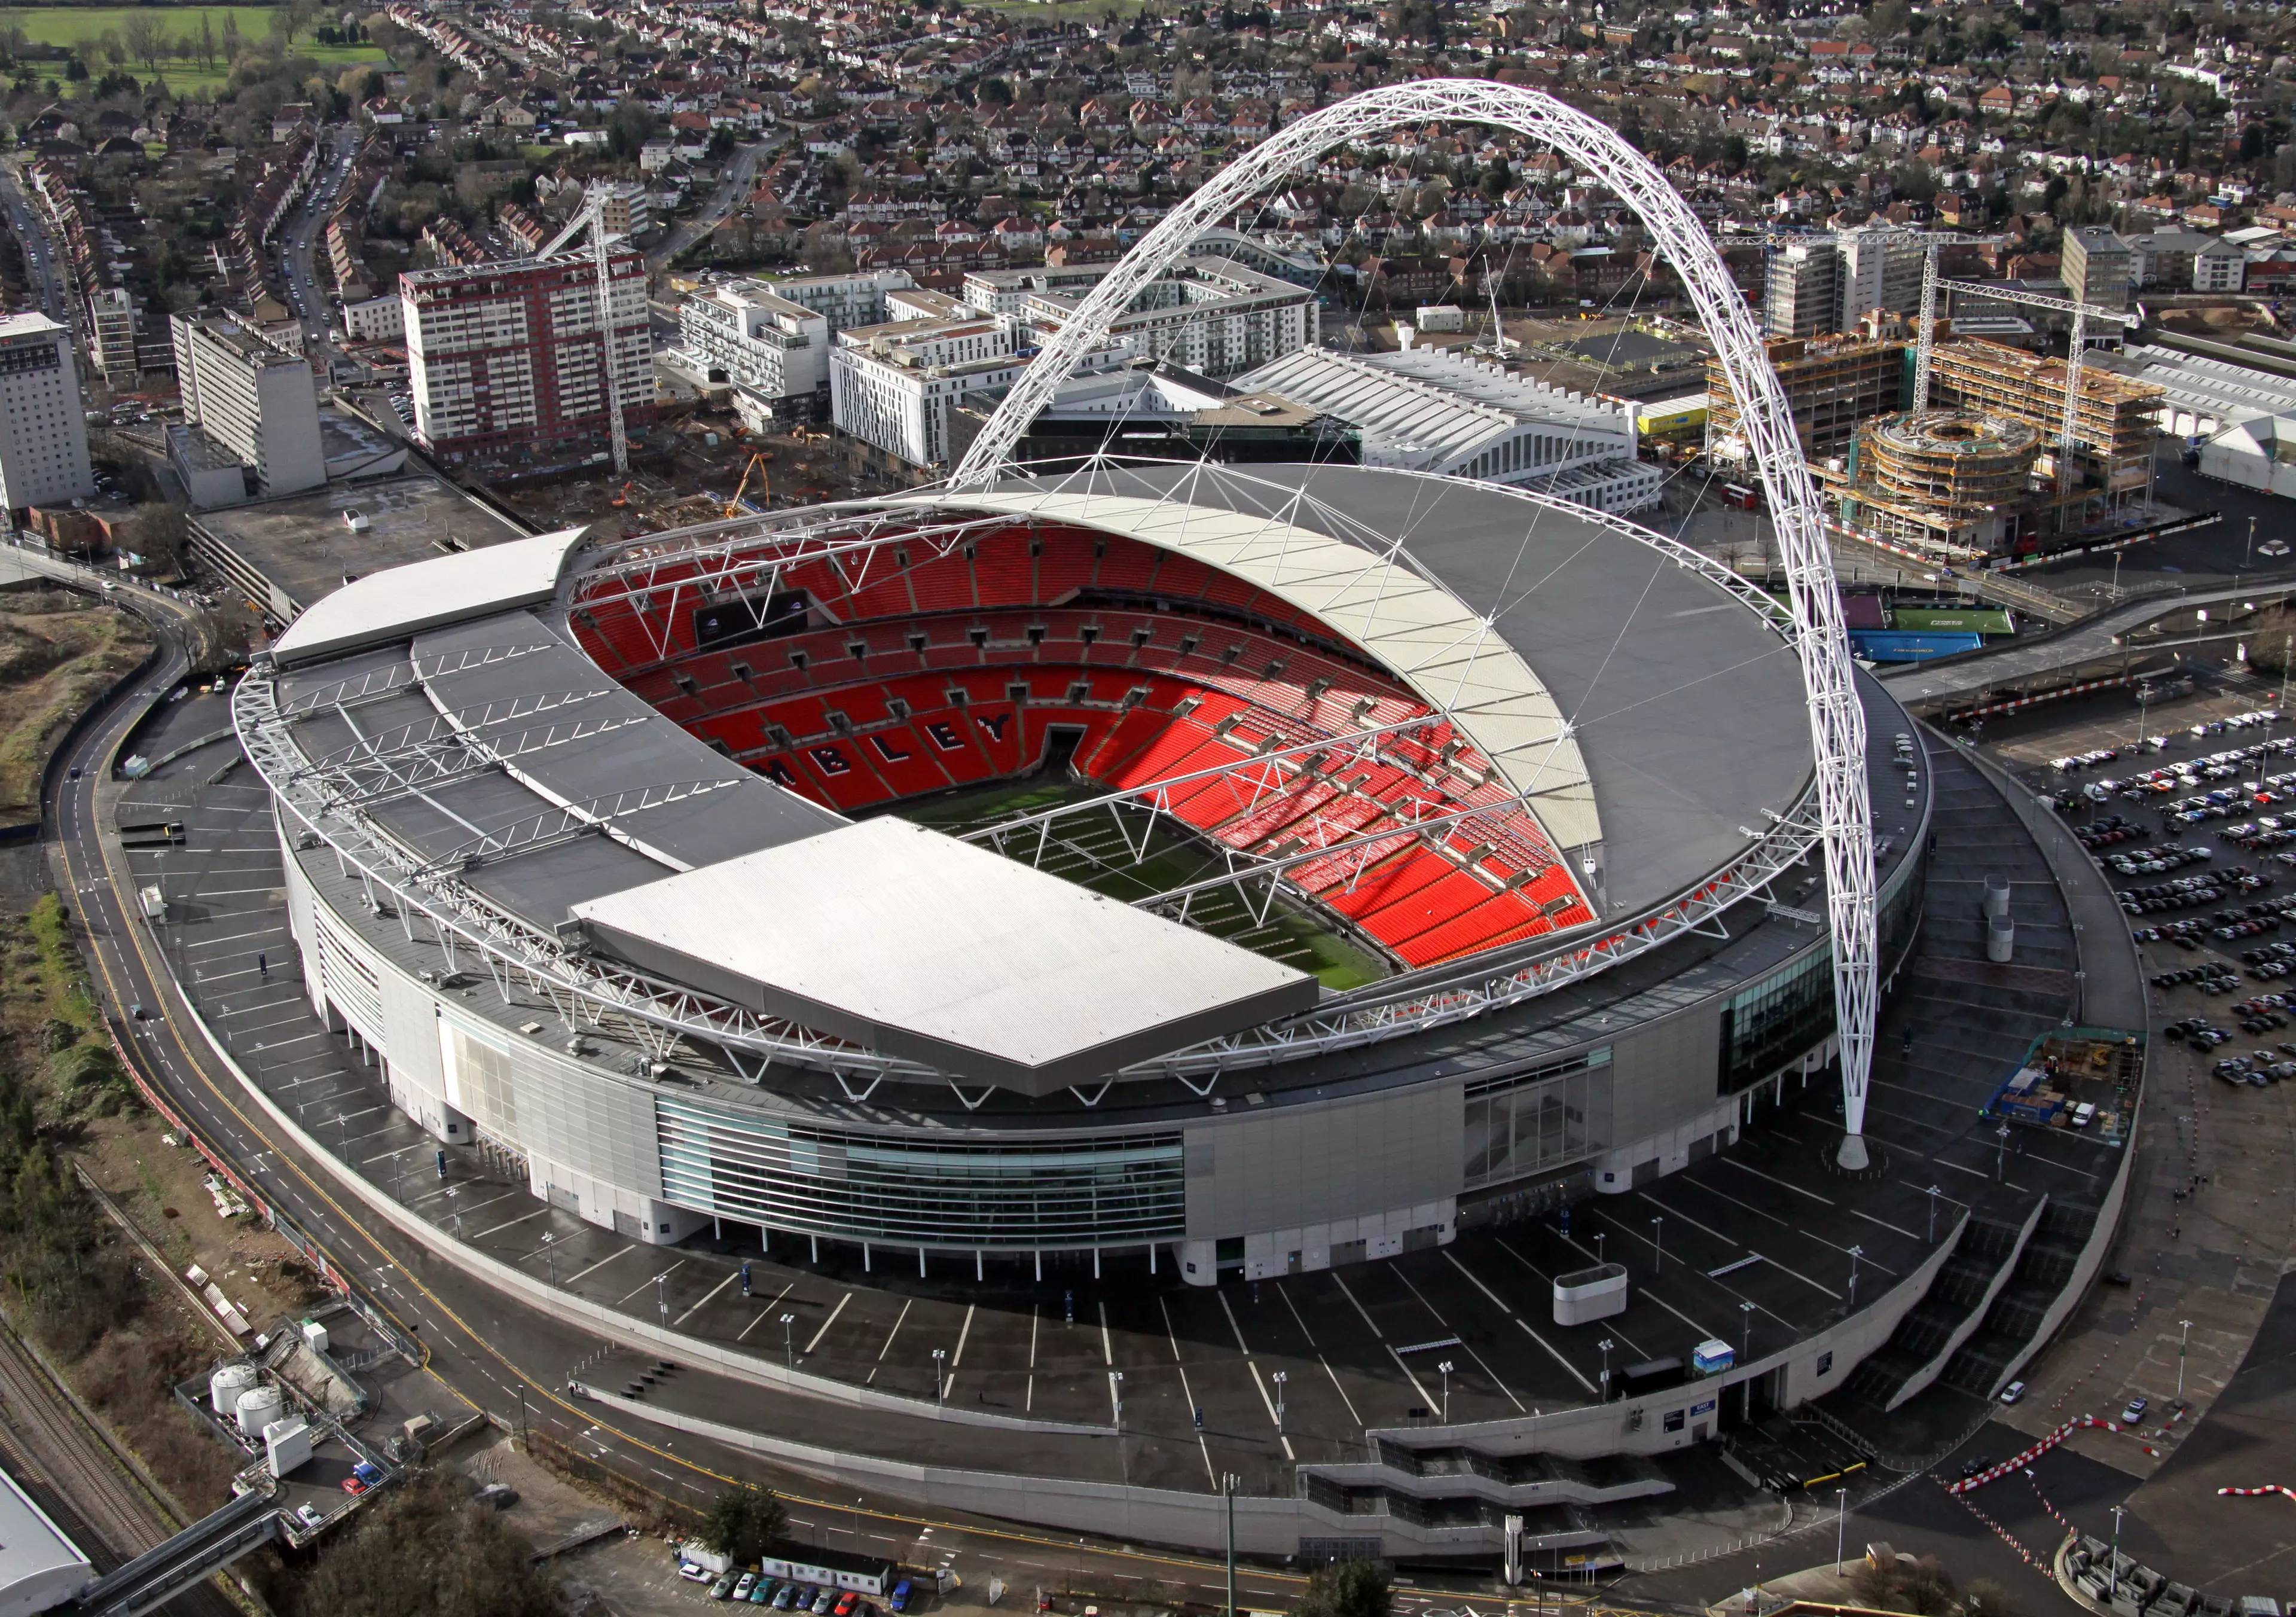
pixel 1834 384
pixel 1940 481
pixel 2112 418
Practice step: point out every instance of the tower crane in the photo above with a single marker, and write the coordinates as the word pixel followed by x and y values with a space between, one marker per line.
pixel 592 218
pixel 2082 314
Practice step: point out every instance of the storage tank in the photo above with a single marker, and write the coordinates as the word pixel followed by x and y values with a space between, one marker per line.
pixel 258 1407
pixel 225 1385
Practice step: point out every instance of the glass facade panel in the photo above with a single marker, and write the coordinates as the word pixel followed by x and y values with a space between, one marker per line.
pixel 1112 1190
pixel 1529 1123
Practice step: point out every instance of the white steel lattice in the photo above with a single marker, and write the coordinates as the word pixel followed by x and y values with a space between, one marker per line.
pixel 1837 723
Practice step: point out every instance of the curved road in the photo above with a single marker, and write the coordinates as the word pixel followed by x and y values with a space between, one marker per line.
pixel 487 1347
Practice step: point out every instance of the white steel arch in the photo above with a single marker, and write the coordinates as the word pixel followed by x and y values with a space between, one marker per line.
pixel 1837 723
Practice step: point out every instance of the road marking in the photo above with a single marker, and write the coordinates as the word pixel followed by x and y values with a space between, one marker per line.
pixel 1107 1350
pixel 732 1276
pixel 1202 1448
pixel 1268 1403
pixel 1781 1183
pixel 1520 1408
pixel 825 1323
pixel 1426 1397
pixel 649 1280
pixel 1242 1346
pixel 1285 1292
pixel 963 1332
pixel 498 1229
pixel 765 1313
pixel 906 1304
pixel 1029 1396
pixel 1365 1313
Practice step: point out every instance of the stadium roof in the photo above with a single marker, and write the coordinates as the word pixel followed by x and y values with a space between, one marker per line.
pixel 913 943
pixel 1422 632
pixel 1428 408
pixel 445 589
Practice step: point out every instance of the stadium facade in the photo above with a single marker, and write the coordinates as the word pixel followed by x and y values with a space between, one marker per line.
pixel 1271 870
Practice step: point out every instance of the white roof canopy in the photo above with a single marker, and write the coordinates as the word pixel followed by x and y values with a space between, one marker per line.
pixel 1454 659
pixel 916 945
pixel 403 601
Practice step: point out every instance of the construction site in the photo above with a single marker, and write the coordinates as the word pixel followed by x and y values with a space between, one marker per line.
pixel 697 469
pixel 1963 456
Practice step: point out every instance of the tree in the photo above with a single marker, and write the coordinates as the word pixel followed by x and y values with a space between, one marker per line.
pixel 743 1523
pixel 1345 1588
pixel 424 1547
pixel 231 42
pixel 993 92
pixel 206 45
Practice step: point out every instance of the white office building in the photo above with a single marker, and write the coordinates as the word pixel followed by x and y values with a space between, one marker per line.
pixel 250 401
pixel 375 319
pixel 775 352
pixel 43 423
pixel 845 302
pixel 892 386
pixel 1438 410
pixel 1207 314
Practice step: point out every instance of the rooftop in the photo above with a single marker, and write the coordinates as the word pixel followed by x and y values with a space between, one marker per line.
pixel 925 946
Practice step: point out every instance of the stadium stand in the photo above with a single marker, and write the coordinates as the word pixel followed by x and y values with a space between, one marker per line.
pixel 904 670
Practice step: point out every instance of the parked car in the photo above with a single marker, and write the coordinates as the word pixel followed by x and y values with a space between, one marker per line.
pixel 903 1592
pixel 2136 1410
pixel 823 1602
pixel 783 1596
pixel 744 1585
pixel 2014 1391
pixel 371 1473
pixel 353 1485
pixel 692 1573
pixel 308 1517
pixel 846 1602
pixel 723 1587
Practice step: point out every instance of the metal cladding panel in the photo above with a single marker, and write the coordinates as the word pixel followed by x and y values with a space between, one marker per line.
pixel 402 601
pixel 410 1016
pixel 1663 1074
pixel 931 949
pixel 1300 1165
pixel 1418 629
pixel 590 1124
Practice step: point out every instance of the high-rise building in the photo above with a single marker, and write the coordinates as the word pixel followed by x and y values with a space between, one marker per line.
pixel 43 420
pixel 505 358
pixel 250 401
pixel 1801 290
pixel 2096 267
pixel 1881 268
pixel 111 327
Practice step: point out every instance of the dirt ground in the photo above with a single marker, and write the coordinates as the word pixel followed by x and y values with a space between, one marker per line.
pixel 57 653
pixel 698 484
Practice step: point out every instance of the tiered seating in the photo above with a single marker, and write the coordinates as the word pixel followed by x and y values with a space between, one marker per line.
pixel 1157 696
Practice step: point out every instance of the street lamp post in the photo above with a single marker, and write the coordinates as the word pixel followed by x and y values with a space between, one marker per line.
pixel 2001 1152
pixel 1445 1370
pixel 1856 1252
pixel 788 1343
pixel 1116 1396
pixel 2113 1573
pixel 662 1295
pixel 2183 1335
pixel 1658 1250
pixel 1841 1528
pixel 1605 1344
pixel 939 1354
pixel 1746 1354
pixel 1279 1378
pixel 1229 1482
pixel 1935 1192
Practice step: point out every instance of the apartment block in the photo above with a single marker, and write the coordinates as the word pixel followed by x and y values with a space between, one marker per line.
pixel 1801 291
pixel 43 421
pixel 2097 266
pixel 2112 414
pixel 845 302
pixel 251 403
pixel 745 332
pixel 111 331
pixel 1209 313
pixel 1833 383
pixel 509 358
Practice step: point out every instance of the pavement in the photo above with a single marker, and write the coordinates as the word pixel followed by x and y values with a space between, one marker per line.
pixel 39 257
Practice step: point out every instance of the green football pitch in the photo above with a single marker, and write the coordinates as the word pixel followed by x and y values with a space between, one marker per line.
pixel 1090 851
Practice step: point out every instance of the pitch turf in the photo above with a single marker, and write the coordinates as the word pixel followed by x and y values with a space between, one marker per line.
pixel 1090 851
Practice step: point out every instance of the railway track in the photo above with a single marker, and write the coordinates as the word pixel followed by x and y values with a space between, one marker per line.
pixel 43 1433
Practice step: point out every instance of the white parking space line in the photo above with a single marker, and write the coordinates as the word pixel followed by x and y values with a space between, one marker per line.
pixel 825 1323
pixel 648 1281
pixel 1202 1448
pixel 1425 1396
pixel 1703 1333
pixel 1242 1346
pixel 731 1277
pixel 1285 1292
pixel 1781 1183
pixel 1480 1363
pixel 766 1312
pixel 1673 1213
pixel 510 1224
pixel 963 1331
pixel 1544 1277
pixel 906 1304
pixel 603 1262
pixel 1107 1349
pixel 1269 1404
pixel 265 931
pixel 1338 1281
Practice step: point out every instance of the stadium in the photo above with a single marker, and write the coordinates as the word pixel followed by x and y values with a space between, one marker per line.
pixel 1173 873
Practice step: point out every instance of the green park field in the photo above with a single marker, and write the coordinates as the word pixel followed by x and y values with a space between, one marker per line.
pixel 179 64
